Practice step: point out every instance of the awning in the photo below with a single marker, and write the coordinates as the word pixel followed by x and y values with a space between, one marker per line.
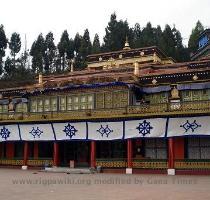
pixel 19 100
pixel 4 101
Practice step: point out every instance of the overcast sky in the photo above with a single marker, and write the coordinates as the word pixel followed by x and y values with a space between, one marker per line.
pixel 32 17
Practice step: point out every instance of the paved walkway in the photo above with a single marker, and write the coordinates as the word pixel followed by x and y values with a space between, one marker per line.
pixel 34 185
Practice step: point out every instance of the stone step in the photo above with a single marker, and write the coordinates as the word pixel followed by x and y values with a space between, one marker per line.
pixel 70 170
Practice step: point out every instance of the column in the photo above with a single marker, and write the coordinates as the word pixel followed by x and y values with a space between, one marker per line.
pixel 93 154
pixel 171 170
pixel 129 156
pixel 55 154
pixel 25 158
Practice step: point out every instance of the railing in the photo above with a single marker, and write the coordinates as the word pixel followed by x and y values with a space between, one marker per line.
pixel 11 162
pixel 192 164
pixel 195 107
pixel 112 163
pixel 31 162
pixel 137 163
pixel 150 163
pixel 40 162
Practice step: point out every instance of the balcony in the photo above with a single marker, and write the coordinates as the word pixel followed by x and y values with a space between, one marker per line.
pixel 144 110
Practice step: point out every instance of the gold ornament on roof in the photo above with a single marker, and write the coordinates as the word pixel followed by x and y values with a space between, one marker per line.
pixel 195 77
pixel 127 46
pixel 175 93
pixel 154 81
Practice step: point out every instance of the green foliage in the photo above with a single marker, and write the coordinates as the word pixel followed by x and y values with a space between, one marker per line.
pixel 148 35
pixel 65 48
pixel 8 68
pixel 3 46
pixel 84 49
pixel 137 36
pixel 116 33
pixel 15 44
pixel 47 57
pixel 96 47
pixel 11 64
pixel 193 41
pixel 50 50
pixel 38 52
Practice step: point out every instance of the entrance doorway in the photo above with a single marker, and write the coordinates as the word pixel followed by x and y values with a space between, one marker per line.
pixel 79 151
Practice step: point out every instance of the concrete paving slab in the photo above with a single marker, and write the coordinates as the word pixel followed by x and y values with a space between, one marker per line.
pixel 34 185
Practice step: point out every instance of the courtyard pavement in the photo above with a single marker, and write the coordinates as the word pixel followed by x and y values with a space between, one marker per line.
pixel 34 185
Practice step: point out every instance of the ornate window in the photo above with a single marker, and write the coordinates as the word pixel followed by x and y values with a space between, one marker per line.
pixel 54 105
pixel 157 98
pixel 155 148
pixel 47 104
pixel 21 107
pixel 3 108
pixel 195 95
pixel 62 105
pixel 115 99
pixel 40 105
pixel 33 105
pixel 198 148
pixel 70 103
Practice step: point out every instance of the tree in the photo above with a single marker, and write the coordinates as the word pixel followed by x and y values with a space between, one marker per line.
pixel 169 42
pixel 116 33
pixel 3 46
pixel 15 46
pixel 181 53
pixel 37 52
pixel 158 34
pixel 65 48
pixel 193 41
pixel 137 36
pixel 8 68
pixel 77 48
pixel 148 35
pixel 85 48
pixel 96 47
pixel 49 55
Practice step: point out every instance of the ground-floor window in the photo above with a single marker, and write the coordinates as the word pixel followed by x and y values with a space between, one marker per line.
pixel 198 148
pixel 45 149
pixel 111 149
pixel 155 148
pixel 19 149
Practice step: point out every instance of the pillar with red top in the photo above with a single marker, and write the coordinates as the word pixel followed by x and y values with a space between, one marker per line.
pixel 25 156
pixel 171 170
pixel 129 157
pixel 55 154
pixel 93 154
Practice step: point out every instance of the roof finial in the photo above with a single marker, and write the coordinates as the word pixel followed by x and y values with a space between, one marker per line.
pixel 127 46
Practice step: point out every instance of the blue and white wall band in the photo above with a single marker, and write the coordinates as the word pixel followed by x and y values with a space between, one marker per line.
pixel 70 131
pixel 34 132
pixel 189 126
pixel 105 130
pixel 9 133
pixel 141 128
pixel 145 128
